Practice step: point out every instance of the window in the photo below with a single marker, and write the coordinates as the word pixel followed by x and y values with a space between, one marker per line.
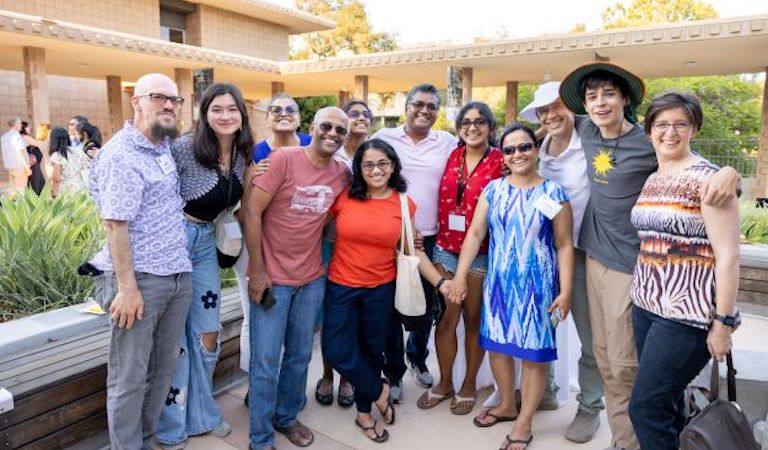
pixel 173 20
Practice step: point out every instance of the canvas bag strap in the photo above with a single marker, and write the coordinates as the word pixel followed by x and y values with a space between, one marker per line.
pixel 406 233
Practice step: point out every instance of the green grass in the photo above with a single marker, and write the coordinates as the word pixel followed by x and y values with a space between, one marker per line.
pixel 754 224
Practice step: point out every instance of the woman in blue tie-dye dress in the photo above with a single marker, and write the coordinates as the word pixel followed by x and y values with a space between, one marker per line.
pixel 530 272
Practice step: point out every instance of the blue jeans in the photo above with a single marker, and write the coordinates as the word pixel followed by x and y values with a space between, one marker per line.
pixel 670 355
pixel 190 408
pixel 416 348
pixel 278 388
pixel 355 333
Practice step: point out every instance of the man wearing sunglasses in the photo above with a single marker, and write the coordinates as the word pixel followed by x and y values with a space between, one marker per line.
pixel 143 269
pixel 423 153
pixel 284 217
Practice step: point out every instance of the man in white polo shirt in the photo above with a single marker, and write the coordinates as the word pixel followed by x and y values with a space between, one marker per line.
pixel 423 153
pixel 562 160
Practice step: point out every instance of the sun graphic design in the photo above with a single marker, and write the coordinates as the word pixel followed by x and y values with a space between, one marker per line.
pixel 602 163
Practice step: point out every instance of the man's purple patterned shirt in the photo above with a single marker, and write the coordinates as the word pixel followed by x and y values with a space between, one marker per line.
pixel 135 180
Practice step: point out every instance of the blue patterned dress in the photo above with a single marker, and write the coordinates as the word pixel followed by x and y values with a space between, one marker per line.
pixel 522 279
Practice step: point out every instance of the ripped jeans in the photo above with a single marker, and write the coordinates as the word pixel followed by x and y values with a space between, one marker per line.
pixel 190 408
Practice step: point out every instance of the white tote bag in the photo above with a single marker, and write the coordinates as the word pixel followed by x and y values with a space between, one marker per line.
pixel 409 294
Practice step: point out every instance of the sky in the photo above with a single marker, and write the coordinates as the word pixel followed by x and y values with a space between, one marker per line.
pixel 424 21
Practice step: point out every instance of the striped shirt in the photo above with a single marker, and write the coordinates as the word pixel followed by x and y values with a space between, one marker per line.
pixel 675 273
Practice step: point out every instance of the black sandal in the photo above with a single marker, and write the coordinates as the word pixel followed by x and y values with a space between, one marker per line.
pixel 326 399
pixel 379 437
pixel 509 441
pixel 390 405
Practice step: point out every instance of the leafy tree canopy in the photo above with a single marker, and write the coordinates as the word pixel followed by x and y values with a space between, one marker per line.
pixel 648 12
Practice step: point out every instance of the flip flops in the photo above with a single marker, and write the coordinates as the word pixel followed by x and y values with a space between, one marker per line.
pixel 461 406
pixel 379 437
pixel 496 419
pixel 509 441
pixel 429 399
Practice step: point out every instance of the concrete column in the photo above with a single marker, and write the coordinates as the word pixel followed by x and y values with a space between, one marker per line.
pixel 36 83
pixel 458 90
pixel 343 98
pixel 114 104
pixel 760 189
pixel 510 114
pixel 186 84
pixel 277 87
pixel 361 87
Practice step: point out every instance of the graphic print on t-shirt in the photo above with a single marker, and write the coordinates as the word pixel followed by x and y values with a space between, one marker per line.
pixel 312 199
pixel 602 163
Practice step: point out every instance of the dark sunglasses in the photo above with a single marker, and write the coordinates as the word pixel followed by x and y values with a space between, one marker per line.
pixel 355 114
pixel 522 148
pixel 325 127
pixel 276 110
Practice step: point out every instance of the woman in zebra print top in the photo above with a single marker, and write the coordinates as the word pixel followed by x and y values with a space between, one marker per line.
pixel 686 277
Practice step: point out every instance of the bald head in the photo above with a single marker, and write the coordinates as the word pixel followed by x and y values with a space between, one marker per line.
pixel 329 129
pixel 154 108
pixel 321 114
pixel 153 82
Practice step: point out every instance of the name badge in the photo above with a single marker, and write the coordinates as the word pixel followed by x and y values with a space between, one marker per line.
pixel 457 222
pixel 232 230
pixel 165 163
pixel 547 206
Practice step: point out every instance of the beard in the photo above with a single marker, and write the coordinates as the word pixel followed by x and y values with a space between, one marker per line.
pixel 160 132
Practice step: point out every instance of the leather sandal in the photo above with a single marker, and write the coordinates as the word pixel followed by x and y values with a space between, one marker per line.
pixel 323 399
pixel 379 437
pixel 509 441
pixel 496 419
pixel 429 399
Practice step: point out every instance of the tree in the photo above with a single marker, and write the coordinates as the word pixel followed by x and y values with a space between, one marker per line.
pixel 353 33
pixel 647 12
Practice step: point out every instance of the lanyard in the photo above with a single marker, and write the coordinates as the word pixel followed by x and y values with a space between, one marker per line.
pixel 461 184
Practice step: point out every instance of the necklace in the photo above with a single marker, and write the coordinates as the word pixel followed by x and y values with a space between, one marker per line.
pixel 616 144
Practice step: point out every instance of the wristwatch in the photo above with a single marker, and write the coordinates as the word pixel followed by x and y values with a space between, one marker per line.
pixel 729 321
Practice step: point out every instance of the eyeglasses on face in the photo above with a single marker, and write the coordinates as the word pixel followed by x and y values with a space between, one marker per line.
pixel 662 127
pixel 383 165
pixel 478 123
pixel 431 107
pixel 326 127
pixel 354 114
pixel 160 99
pixel 276 110
pixel 522 148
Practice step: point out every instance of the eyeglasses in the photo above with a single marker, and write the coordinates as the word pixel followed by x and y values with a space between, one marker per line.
pixel 382 165
pixel 431 107
pixel 478 123
pixel 662 127
pixel 354 114
pixel 160 99
pixel 276 110
pixel 326 127
pixel 522 148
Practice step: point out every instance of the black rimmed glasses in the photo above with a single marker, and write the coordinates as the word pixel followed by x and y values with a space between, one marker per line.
pixel 662 127
pixel 478 123
pixel 160 99
pixel 522 148
pixel 326 127
pixel 354 114
pixel 276 110
pixel 431 107
pixel 382 165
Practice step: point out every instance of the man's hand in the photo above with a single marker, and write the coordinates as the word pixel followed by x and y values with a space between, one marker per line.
pixel 127 307
pixel 721 188
pixel 258 282
pixel 719 340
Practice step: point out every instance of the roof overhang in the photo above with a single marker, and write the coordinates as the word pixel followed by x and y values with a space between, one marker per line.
pixel 295 20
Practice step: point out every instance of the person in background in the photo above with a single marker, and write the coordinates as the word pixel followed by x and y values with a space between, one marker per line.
pixel 528 286
pixel 69 164
pixel 35 155
pixel 359 298
pixel 211 165
pixel 471 166
pixel 14 152
pixel 687 274
pixel 90 137
pixel 359 123
pixel 74 139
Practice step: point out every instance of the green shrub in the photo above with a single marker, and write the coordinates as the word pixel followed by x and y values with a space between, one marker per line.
pixel 42 242
pixel 754 224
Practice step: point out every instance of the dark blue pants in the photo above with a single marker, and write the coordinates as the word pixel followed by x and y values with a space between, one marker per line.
pixel 394 366
pixel 670 355
pixel 355 331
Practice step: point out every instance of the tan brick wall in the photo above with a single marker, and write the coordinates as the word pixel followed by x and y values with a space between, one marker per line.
pixel 231 32
pixel 69 96
pixel 140 17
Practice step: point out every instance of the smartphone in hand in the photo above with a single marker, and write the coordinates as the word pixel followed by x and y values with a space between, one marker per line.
pixel 267 299
pixel 555 317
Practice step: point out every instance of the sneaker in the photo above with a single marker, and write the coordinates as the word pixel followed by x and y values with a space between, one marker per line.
pixel 548 402
pixel 222 429
pixel 421 373
pixel 396 392
pixel 583 427
pixel 179 446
